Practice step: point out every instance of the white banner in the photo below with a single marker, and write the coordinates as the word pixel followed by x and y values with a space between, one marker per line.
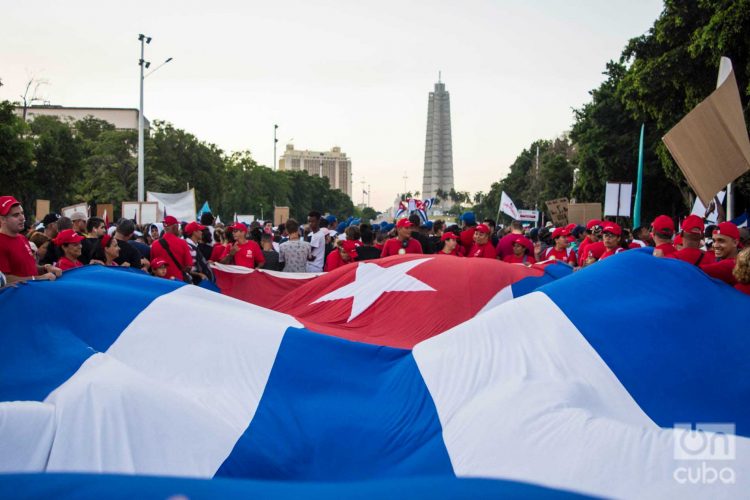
pixel 617 199
pixel 528 215
pixel 711 215
pixel 508 207
pixel 178 205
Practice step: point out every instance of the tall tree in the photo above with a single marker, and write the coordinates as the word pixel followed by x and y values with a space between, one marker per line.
pixel 16 157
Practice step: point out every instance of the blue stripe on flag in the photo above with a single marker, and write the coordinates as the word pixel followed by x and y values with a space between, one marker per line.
pixel 340 410
pixel 64 325
pixel 112 487
pixel 644 317
pixel 552 272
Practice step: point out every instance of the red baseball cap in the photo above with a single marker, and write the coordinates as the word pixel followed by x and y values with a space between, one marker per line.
pixel 192 227
pixel 170 220
pixel 693 224
pixel 663 225
pixel 482 228
pixel 522 240
pixel 6 203
pixel 448 235
pixel 67 236
pixel 350 247
pixel 105 240
pixel 677 240
pixel 403 223
pixel 570 226
pixel 612 227
pixel 158 262
pixel 560 231
pixel 728 229
pixel 593 222
pixel 238 226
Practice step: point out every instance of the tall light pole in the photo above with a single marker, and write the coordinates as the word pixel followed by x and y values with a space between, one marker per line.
pixel 275 140
pixel 143 64
pixel 141 120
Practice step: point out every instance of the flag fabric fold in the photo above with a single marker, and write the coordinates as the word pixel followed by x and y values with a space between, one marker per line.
pixel 537 386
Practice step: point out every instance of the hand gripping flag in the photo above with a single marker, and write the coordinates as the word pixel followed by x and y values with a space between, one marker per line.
pixel 546 388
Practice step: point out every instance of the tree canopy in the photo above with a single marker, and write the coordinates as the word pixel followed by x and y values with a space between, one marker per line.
pixel 90 161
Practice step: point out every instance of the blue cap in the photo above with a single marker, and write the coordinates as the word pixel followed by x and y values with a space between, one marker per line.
pixel 469 217
pixel 331 219
pixel 429 224
pixel 341 227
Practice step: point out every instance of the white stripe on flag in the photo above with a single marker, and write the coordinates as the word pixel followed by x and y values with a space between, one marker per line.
pixel 174 393
pixel 27 429
pixel 522 395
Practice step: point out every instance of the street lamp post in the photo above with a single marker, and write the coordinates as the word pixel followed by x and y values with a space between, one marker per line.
pixel 141 120
pixel 275 140
pixel 143 64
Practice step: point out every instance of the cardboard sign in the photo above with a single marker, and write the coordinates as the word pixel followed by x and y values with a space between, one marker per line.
pixel 42 209
pixel 558 211
pixel 710 143
pixel 146 212
pixel 79 207
pixel 581 213
pixel 101 208
pixel 280 215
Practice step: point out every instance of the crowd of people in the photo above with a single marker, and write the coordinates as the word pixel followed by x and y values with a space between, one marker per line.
pixel 186 250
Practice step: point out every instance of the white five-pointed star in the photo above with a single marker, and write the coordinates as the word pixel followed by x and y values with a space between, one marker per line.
pixel 371 281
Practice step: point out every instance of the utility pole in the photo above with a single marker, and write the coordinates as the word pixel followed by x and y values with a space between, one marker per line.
pixel 143 64
pixel 275 141
pixel 405 177
pixel 363 191
pixel 369 190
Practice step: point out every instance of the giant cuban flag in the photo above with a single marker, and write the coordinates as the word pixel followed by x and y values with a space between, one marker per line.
pixel 576 386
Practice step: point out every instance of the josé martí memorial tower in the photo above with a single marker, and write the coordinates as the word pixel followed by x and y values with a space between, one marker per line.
pixel 438 151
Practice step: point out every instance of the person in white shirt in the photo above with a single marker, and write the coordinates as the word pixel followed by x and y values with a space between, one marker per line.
pixel 317 240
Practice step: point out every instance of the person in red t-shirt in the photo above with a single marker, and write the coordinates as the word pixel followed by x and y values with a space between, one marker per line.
pixel 344 253
pixel 662 231
pixel 244 252
pixel 505 245
pixel 482 245
pixel 70 243
pixel 692 234
pixel 561 251
pixel 182 261
pixel 450 244
pixel 403 243
pixel 521 253
pixel 17 261
pixel 466 239
pixel 593 237
pixel 726 237
pixel 612 240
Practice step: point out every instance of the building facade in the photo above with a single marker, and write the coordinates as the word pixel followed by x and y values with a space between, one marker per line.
pixel 438 151
pixel 332 164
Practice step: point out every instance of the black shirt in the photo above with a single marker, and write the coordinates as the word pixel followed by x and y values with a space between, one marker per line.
pixel 272 260
pixel 367 253
pixel 129 254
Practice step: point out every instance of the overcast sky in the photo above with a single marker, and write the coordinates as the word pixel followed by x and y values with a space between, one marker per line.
pixel 347 73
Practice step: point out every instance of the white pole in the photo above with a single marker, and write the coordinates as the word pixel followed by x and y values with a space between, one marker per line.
pixel 141 182
pixel 725 67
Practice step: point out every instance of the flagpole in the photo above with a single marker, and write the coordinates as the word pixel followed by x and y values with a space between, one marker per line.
pixel 639 184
